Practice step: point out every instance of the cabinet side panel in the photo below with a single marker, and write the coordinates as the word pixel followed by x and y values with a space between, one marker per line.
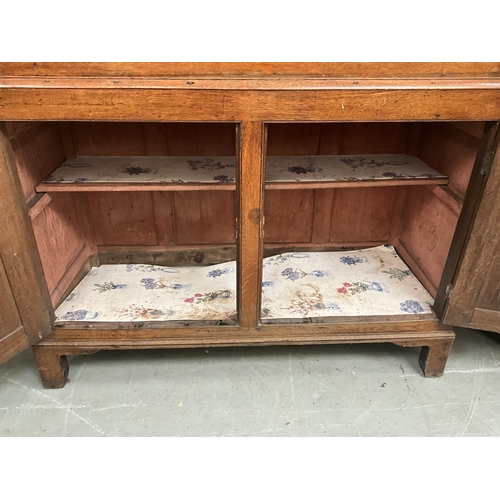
pixel 64 239
pixel 427 231
pixel 12 336
pixel 38 150
pixel 430 216
pixel 450 150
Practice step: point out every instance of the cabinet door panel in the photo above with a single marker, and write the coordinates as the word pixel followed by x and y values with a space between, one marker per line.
pixel 23 284
pixel 12 335
pixel 472 297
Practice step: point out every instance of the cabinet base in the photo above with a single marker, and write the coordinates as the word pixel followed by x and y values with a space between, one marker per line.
pixel 51 352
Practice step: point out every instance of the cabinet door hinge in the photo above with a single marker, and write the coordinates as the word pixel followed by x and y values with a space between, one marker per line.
pixel 488 162
pixel 448 291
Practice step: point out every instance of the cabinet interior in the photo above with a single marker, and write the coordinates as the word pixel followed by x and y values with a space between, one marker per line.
pixel 79 229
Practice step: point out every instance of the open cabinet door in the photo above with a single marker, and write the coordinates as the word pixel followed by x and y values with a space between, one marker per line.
pixel 25 306
pixel 469 295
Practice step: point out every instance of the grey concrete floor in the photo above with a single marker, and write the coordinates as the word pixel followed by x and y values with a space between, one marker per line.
pixel 362 390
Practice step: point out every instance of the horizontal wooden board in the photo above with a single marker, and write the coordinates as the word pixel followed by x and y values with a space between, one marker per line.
pixel 268 69
pixel 353 104
pixel 142 173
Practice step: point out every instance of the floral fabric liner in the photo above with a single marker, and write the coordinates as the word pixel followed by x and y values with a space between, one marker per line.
pixel 373 281
pixel 181 170
pixel 139 292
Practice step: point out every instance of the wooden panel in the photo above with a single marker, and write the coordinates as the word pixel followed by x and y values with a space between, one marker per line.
pixel 18 249
pixel 123 218
pixel 12 336
pixel 204 217
pixel 61 238
pixel 289 139
pixel 420 102
pixel 450 151
pixel 331 138
pixel 163 207
pixel 373 138
pixel 362 214
pixel 288 216
pixel 486 319
pixel 251 154
pixel 473 128
pixel 69 139
pixel 476 283
pixel 427 231
pixel 461 315
pixel 322 219
pixel 110 139
pixel 155 137
pixel 268 69
pixel 38 151
pixel 201 139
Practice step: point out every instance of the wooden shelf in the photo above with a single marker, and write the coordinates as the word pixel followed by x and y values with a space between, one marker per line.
pixel 339 171
pixel 141 173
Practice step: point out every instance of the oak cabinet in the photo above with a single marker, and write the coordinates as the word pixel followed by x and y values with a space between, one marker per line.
pixel 180 205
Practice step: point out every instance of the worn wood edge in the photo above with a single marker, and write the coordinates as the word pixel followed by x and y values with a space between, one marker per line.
pixel 271 249
pixel 375 327
pixel 420 338
pixel 167 255
pixel 343 319
pixel 415 267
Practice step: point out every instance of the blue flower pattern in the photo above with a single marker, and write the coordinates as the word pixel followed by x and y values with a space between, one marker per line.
pixel 218 272
pixel 78 315
pixel 352 261
pixel 411 306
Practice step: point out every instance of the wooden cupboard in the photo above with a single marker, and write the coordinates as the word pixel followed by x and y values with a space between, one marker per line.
pixel 182 188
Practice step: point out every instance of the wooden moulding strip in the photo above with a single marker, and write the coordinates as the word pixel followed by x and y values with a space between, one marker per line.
pixel 38 204
pixel 73 271
pixel 355 332
pixel 415 267
pixel 448 197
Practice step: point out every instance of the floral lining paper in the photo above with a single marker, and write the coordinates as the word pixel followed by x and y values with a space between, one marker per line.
pixel 216 170
pixel 373 281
